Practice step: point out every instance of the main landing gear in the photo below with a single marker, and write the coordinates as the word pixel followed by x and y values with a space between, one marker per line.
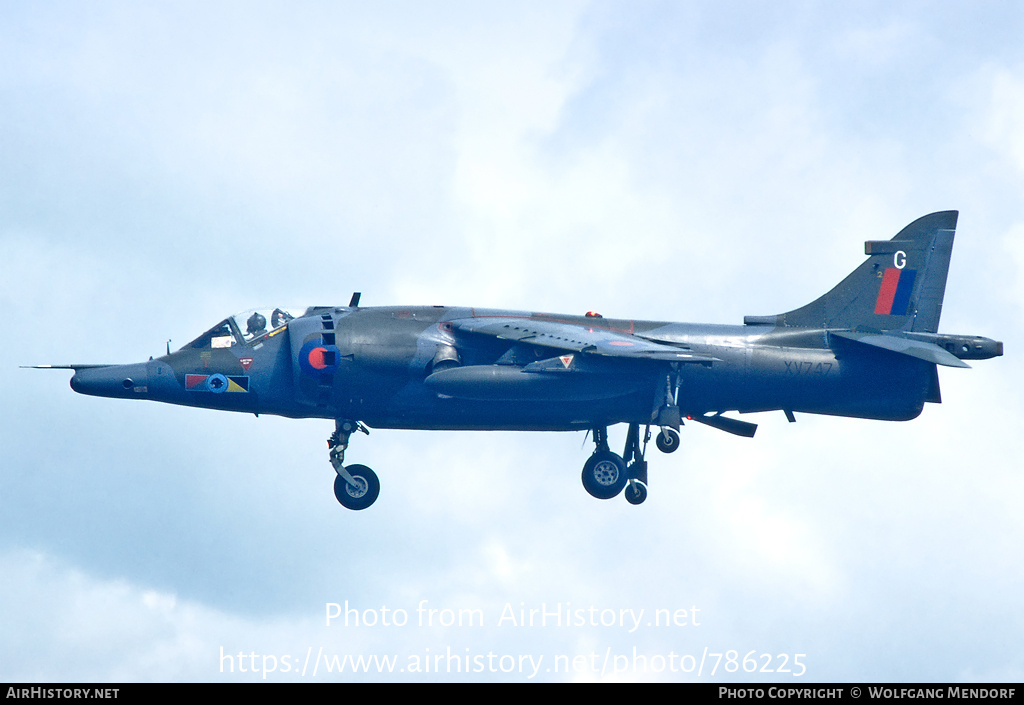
pixel 606 474
pixel 356 486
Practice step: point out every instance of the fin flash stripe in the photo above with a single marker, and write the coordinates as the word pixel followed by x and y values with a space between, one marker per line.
pixel 894 294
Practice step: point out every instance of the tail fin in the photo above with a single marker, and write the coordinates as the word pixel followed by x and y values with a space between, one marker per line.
pixel 899 287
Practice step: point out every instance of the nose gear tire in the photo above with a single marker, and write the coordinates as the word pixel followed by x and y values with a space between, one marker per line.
pixel 363 493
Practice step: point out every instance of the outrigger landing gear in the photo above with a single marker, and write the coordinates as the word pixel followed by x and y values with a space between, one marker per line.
pixel 356 486
pixel 606 474
pixel 667 441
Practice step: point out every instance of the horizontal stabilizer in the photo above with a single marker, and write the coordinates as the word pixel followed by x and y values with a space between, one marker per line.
pixel 723 423
pixel 929 352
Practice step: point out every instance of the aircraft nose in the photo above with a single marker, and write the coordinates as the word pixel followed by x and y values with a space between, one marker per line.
pixel 118 381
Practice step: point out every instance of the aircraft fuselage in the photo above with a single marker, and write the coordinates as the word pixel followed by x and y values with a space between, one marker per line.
pixel 383 363
pixel 868 348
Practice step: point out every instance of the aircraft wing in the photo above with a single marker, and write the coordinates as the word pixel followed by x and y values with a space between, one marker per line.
pixel 586 339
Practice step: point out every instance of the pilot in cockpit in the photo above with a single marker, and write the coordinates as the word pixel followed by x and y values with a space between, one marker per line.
pixel 256 325
pixel 278 318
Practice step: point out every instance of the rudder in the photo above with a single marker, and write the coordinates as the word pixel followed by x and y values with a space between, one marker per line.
pixel 899 287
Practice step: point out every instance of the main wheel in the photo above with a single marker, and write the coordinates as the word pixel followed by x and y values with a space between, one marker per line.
pixel 604 475
pixel 363 493
pixel 667 441
pixel 638 495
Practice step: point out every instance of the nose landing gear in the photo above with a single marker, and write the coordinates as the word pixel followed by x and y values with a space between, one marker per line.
pixel 356 486
pixel 605 474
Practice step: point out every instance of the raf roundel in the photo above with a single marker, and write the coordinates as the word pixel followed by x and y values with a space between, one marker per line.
pixel 317 359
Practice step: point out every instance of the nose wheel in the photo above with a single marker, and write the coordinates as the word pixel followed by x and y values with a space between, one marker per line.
pixel 359 492
pixel 356 486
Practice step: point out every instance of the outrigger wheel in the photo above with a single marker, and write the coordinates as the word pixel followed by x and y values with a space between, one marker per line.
pixel 636 492
pixel 667 441
pixel 356 486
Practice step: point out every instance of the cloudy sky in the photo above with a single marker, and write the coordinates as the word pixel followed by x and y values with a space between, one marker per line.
pixel 163 165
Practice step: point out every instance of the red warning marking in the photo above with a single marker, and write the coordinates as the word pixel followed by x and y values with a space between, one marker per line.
pixel 246 362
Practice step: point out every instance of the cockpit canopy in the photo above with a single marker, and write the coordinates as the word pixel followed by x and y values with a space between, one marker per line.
pixel 247 328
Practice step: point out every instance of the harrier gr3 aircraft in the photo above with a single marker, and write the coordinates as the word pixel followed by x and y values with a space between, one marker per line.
pixel 869 348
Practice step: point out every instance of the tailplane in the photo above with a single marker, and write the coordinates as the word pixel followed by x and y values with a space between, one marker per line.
pixel 899 288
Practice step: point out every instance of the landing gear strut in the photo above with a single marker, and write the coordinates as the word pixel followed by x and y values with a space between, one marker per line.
pixel 606 474
pixel 356 486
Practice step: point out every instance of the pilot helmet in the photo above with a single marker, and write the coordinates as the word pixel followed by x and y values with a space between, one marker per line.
pixel 256 323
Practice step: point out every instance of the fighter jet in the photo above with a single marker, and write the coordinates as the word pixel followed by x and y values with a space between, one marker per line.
pixel 869 348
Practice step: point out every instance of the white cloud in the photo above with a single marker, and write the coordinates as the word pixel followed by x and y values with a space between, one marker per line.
pixel 1005 133
pixel 70 627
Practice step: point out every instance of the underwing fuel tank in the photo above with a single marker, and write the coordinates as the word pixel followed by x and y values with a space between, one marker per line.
pixel 512 383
